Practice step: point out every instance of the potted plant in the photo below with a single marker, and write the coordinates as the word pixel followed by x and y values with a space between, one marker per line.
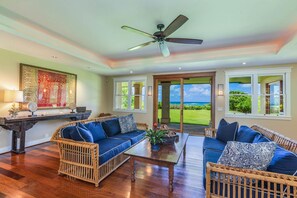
pixel 155 137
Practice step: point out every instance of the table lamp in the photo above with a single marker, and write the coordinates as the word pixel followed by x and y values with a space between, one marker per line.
pixel 13 96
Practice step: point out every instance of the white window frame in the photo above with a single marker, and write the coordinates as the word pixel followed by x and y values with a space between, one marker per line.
pixel 130 79
pixel 255 73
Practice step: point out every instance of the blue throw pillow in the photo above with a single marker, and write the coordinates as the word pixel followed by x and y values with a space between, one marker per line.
pixel 246 134
pixel 65 132
pixel 111 127
pixel 226 131
pixel 283 161
pixel 260 138
pixel 127 123
pixel 97 130
pixel 81 134
pixel 246 155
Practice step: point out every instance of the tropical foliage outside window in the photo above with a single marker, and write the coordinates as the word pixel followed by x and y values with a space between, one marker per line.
pixel 129 95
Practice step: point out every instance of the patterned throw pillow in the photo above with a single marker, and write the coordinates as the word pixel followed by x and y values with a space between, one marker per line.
pixel 255 156
pixel 127 123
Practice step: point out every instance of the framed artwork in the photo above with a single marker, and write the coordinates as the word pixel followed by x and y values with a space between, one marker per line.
pixel 47 88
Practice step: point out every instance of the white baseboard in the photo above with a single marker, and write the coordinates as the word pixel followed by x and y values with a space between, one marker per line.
pixel 39 141
pixel 27 144
pixel 5 149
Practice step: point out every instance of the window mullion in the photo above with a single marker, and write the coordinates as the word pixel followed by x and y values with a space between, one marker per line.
pixel 129 94
pixel 254 94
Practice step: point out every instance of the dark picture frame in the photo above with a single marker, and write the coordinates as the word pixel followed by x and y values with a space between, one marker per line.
pixel 48 88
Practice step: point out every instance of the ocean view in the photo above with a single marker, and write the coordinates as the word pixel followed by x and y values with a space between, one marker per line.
pixel 191 103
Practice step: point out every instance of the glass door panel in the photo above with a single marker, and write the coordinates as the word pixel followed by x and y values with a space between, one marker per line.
pixel 169 104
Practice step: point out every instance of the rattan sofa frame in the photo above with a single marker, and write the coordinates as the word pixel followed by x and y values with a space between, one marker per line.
pixel 80 160
pixel 253 183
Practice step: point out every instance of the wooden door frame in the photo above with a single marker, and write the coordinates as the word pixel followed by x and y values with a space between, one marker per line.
pixel 169 77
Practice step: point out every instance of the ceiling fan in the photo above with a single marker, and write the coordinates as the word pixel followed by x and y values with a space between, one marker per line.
pixel 162 36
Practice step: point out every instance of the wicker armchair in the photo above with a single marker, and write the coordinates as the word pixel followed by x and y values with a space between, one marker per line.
pixel 81 159
pixel 224 181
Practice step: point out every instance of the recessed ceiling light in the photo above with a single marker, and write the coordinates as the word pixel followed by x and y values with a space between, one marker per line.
pixel 244 63
pixel 179 68
pixel 131 71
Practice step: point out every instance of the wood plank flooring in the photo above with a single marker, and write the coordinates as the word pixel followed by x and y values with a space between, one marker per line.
pixel 34 174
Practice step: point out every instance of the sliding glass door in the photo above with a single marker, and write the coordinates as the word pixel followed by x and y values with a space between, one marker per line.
pixel 184 103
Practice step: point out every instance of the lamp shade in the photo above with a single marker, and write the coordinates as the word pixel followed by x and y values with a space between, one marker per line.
pixel 13 96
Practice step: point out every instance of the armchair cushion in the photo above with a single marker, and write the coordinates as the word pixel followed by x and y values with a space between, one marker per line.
pixel 213 143
pixel 209 156
pixel 82 134
pixel 246 134
pixel 227 131
pixel 110 147
pixel 127 123
pixel 97 130
pixel 245 155
pixel 133 136
pixel 283 161
pixel 111 127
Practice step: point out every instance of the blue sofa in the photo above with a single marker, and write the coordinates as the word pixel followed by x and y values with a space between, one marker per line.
pixel 95 146
pixel 284 162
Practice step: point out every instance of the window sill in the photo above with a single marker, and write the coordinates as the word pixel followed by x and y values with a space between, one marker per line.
pixel 251 116
pixel 129 111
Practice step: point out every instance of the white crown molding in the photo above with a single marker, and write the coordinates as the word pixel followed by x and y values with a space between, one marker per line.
pixel 42 37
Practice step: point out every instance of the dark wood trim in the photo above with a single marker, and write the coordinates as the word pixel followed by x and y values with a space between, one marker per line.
pixel 181 124
pixel 170 77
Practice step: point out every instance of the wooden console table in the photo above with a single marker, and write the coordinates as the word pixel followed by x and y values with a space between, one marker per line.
pixel 20 125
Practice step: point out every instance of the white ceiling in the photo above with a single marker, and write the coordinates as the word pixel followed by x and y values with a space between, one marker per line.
pixel 88 34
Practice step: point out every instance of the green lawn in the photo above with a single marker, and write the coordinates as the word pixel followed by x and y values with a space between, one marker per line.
pixel 201 117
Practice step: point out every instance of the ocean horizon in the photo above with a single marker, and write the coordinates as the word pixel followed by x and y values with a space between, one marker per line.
pixel 191 103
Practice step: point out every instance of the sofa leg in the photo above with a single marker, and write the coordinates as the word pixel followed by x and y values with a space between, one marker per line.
pixel 97 185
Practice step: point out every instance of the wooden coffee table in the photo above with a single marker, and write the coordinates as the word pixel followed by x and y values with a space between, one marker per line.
pixel 167 156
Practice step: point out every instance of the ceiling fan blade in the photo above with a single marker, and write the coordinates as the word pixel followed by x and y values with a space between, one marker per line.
pixel 184 40
pixel 138 31
pixel 164 49
pixel 174 25
pixel 141 45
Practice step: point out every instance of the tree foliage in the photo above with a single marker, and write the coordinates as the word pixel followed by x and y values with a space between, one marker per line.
pixel 240 102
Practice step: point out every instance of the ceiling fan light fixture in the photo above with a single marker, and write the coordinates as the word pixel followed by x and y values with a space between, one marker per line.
pixel 164 49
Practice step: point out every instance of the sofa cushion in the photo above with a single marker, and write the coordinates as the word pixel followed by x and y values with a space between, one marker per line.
pixel 110 147
pixel 283 161
pixel 65 132
pixel 133 136
pixel 82 134
pixel 213 143
pixel 227 131
pixel 245 155
pixel 111 127
pixel 97 130
pixel 260 138
pixel 209 156
pixel 246 134
pixel 127 123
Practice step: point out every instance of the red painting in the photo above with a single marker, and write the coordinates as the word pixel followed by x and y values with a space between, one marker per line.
pixel 51 89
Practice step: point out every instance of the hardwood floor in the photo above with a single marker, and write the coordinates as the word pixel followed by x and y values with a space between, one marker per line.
pixel 34 174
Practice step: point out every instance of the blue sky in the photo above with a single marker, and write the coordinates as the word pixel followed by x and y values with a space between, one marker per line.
pixel 192 93
pixel 199 92
pixel 240 87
